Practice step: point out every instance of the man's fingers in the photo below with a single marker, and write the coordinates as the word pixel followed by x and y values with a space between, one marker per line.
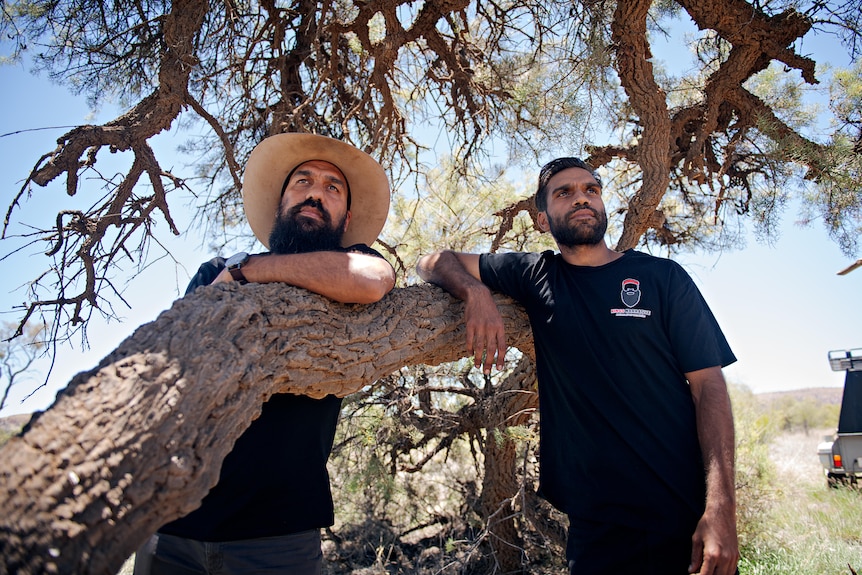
pixel 488 349
pixel 495 351
pixel 486 337
pixel 475 346
pixel 696 557
pixel 489 359
pixel 471 334
pixel 501 350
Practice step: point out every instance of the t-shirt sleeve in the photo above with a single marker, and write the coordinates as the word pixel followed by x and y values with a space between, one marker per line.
pixel 694 333
pixel 364 249
pixel 207 272
pixel 510 274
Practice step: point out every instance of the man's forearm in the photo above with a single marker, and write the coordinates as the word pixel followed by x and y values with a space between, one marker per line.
pixel 447 270
pixel 715 547
pixel 717 440
pixel 346 277
pixel 458 273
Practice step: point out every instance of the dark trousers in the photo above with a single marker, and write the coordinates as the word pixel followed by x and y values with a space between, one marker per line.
pixel 295 554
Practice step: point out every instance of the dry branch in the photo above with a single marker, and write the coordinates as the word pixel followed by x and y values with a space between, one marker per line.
pixel 139 440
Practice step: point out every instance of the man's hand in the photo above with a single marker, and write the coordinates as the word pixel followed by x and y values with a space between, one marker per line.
pixel 486 334
pixel 715 550
pixel 223 277
pixel 458 273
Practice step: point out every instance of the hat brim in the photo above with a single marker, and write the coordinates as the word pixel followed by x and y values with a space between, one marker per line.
pixel 274 158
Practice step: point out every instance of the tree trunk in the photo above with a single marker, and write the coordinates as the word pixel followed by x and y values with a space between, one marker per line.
pixel 139 440
pixel 516 401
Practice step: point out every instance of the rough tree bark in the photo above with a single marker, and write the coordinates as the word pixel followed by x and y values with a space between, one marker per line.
pixel 139 440
pixel 628 31
pixel 515 401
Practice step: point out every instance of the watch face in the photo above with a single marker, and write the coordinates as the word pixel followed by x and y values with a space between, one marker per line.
pixel 237 259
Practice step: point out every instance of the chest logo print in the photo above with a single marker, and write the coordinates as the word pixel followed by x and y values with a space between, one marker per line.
pixel 631 292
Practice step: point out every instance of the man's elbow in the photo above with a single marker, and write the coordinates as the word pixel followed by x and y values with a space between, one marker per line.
pixel 376 288
pixel 425 266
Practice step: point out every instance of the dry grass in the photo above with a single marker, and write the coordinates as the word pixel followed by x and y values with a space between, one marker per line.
pixel 794 455
pixel 808 528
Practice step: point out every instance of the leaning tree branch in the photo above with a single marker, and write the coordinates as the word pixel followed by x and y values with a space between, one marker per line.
pixel 757 39
pixel 151 115
pixel 628 31
pixel 139 440
pixel 743 24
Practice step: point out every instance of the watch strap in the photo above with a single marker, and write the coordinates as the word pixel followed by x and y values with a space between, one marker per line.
pixel 237 275
pixel 234 267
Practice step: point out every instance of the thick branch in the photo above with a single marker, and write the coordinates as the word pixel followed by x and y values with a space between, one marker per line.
pixel 151 115
pixel 139 440
pixel 650 103
pixel 741 24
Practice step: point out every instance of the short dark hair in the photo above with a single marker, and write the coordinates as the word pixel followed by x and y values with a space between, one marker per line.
pixel 553 167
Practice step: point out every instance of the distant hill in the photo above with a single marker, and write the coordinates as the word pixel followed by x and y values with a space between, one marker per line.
pixel 824 395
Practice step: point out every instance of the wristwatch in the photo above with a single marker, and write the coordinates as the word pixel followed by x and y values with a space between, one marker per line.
pixel 234 266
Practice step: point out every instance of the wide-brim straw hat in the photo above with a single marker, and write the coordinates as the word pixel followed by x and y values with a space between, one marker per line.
pixel 274 158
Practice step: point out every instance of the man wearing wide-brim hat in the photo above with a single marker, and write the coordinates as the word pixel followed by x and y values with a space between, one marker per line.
pixel 317 204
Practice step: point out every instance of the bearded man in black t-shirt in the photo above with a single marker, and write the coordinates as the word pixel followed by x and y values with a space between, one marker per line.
pixel 636 430
pixel 317 204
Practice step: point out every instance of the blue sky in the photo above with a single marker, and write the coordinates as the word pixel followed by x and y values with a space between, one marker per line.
pixel 782 306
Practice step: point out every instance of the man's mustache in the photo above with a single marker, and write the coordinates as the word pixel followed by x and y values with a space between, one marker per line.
pixel 312 203
pixel 591 210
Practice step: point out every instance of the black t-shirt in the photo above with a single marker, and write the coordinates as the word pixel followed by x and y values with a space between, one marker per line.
pixel 274 481
pixel 618 436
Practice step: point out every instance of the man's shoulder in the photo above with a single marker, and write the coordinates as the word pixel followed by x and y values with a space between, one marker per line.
pixel 516 265
pixel 361 249
pixel 206 273
pixel 635 255
pixel 526 257
pixel 644 258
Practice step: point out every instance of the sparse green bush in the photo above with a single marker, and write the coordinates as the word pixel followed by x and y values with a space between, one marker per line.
pixel 5 436
pixel 803 414
pixel 754 473
pixel 811 531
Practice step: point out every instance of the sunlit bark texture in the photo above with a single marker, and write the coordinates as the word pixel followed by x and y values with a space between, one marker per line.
pixel 139 440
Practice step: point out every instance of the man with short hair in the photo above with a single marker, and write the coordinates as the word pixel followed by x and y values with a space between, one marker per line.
pixel 317 204
pixel 636 431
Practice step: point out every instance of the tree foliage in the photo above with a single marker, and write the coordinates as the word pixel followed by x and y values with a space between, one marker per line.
pixel 453 97
pixel 686 155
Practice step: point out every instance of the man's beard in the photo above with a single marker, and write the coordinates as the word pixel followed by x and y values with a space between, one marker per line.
pixel 294 234
pixel 570 233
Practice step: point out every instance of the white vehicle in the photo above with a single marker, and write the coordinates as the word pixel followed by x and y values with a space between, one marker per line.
pixel 841 455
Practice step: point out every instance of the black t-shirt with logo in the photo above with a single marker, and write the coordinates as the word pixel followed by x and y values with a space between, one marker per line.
pixel 619 443
pixel 274 481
